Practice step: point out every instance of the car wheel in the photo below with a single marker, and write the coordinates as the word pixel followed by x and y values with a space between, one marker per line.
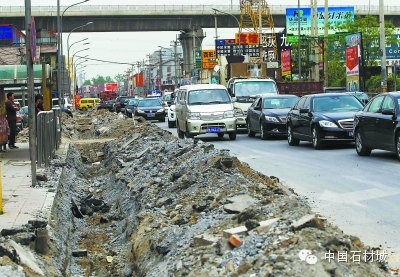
pixel 232 136
pixel 250 133
pixel 187 134
pixel 170 124
pixel 220 135
pixel 398 145
pixel 181 134
pixel 361 149
pixel 263 134
pixel 290 137
pixel 316 139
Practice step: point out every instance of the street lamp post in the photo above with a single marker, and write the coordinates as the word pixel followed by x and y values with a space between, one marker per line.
pixel 240 28
pixel 68 47
pixel 59 45
pixel 75 70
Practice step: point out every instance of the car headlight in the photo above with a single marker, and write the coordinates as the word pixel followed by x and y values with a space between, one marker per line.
pixel 194 116
pixel 140 111
pixel 229 114
pixel 160 110
pixel 238 112
pixel 129 110
pixel 326 123
pixel 271 118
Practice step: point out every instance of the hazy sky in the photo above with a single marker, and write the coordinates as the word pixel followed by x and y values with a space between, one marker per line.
pixel 129 47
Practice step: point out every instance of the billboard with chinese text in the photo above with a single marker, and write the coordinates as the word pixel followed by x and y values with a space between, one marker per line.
pixel 335 15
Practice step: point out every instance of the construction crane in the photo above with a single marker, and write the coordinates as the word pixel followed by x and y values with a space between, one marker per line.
pixel 256 17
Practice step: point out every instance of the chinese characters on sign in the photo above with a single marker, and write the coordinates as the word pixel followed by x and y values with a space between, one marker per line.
pixel 357 256
pixel 246 38
pixel 209 59
pixel 286 62
pixel 227 47
pixel 335 15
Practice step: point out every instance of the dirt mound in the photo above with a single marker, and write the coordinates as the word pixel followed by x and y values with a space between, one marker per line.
pixel 149 204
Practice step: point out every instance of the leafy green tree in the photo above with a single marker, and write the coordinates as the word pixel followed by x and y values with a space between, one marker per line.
pixel 101 79
pixel 87 82
pixel 120 78
pixel 368 26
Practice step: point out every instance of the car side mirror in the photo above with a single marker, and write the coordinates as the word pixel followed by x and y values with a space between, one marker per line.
pixel 257 108
pixel 234 99
pixel 304 110
pixel 388 112
pixel 230 92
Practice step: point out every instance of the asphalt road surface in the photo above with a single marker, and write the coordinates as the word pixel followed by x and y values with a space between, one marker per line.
pixel 358 194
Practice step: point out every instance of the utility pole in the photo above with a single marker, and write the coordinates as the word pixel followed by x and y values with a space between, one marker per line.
pixel 383 46
pixel 316 41
pixel 260 33
pixel 31 92
pixel 160 69
pixel 326 37
pixel 298 38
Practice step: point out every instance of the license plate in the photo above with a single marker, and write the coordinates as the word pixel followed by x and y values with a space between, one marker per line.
pixel 213 130
pixel 351 134
pixel 151 115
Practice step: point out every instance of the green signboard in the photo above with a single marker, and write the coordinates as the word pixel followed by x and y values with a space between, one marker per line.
pixel 198 59
pixel 215 79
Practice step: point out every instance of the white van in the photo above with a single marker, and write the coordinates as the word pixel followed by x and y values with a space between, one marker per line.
pixel 204 108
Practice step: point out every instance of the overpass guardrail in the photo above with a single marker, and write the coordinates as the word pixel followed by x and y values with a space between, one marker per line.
pixel 194 8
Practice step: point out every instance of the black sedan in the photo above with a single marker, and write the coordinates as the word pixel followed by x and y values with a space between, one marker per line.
pixel 322 118
pixel 107 105
pixel 377 126
pixel 150 109
pixel 267 115
pixel 131 106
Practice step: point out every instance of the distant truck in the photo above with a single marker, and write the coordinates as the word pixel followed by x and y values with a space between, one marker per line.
pixel 105 91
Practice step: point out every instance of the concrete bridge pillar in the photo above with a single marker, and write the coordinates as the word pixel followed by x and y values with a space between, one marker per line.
pixel 190 40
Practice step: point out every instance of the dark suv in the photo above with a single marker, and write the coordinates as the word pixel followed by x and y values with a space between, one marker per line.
pixel 120 102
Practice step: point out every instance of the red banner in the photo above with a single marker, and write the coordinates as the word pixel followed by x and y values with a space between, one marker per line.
pixel 286 62
pixel 352 67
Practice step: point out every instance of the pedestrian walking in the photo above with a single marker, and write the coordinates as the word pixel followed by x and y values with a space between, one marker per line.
pixel 11 114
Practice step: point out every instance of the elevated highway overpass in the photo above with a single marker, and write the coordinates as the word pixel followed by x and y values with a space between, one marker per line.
pixel 144 18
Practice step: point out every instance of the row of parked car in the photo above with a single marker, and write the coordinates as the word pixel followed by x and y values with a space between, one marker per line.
pixel 322 119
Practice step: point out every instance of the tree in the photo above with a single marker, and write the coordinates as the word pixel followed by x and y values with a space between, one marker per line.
pixel 87 82
pixel 101 80
pixel 368 26
pixel 120 78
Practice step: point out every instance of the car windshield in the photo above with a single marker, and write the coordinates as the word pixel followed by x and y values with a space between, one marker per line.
pixel 25 109
pixel 149 103
pixel 336 103
pixel 249 88
pixel 208 96
pixel 167 97
pixel 133 102
pixel 361 95
pixel 279 103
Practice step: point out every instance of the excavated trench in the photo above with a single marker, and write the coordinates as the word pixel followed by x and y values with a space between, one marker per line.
pixel 133 200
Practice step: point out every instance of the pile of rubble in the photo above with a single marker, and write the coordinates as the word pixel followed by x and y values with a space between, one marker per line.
pixel 149 204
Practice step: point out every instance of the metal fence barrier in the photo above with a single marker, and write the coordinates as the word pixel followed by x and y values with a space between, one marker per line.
pixel 48 135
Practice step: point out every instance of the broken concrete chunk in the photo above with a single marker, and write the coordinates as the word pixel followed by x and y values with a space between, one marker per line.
pixel 239 203
pixel 163 201
pixel 140 154
pixel 79 253
pixel 99 154
pixel 308 221
pixel 234 231
pixel 251 224
pixel 204 240
pixel 27 258
pixel 41 177
pixel 38 223
pixel 12 231
pixel 134 137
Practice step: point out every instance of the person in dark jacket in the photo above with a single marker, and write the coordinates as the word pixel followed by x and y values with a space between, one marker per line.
pixel 39 103
pixel 11 114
